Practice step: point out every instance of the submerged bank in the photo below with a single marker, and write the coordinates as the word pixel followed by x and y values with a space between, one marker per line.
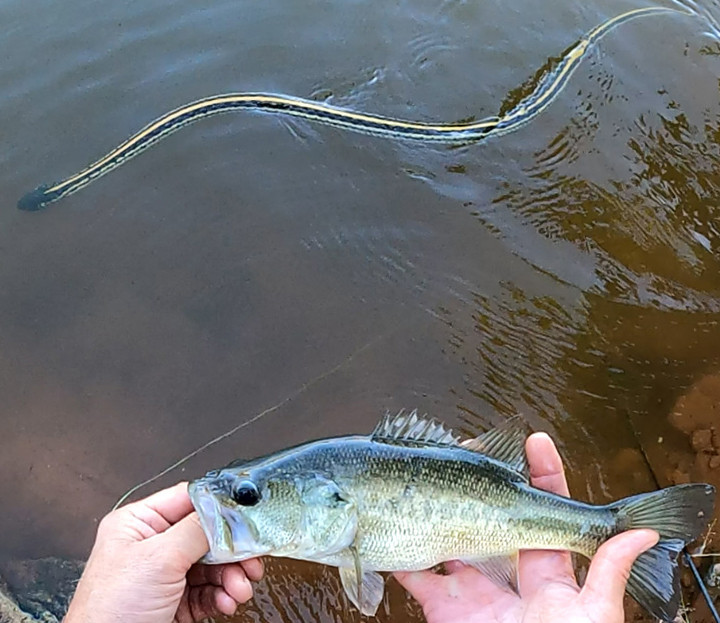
pixel 37 591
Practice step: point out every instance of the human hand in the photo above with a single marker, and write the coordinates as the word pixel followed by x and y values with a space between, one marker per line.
pixel 548 589
pixel 142 568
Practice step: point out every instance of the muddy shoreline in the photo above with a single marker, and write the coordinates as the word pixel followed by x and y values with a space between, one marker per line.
pixel 10 612
pixel 697 415
pixel 37 591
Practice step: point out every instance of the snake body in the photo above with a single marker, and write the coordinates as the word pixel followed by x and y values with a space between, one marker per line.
pixel 547 89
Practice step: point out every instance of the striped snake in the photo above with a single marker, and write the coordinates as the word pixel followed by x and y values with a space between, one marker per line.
pixel 547 89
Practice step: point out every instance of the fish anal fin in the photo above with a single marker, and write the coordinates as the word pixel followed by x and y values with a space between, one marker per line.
pixel 367 596
pixel 504 443
pixel 411 428
pixel 502 570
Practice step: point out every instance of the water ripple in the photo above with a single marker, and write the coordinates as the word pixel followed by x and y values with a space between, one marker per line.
pixel 428 48
pixel 520 339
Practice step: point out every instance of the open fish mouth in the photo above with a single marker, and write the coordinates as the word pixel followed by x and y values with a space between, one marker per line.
pixel 230 536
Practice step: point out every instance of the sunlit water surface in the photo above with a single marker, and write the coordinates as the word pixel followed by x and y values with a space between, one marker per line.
pixel 568 271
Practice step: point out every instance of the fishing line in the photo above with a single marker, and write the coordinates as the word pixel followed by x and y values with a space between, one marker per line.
pixel 701 585
pixel 252 420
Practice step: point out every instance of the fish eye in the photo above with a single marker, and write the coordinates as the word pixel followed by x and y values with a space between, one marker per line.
pixel 246 493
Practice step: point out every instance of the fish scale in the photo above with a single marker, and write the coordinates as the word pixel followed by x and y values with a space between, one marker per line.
pixel 452 494
pixel 411 495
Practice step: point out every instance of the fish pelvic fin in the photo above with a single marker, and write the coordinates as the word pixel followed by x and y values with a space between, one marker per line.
pixel 654 580
pixel 365 591
pixel 681 512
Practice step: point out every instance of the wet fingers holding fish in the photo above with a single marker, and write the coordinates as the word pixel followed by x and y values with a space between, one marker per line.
pixel 412 495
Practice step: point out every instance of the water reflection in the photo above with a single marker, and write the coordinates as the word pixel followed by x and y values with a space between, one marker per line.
pixel 568 271
pixel 301 592
pixel 633 234
pixel 651 233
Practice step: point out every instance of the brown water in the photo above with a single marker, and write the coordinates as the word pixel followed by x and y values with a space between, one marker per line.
pixel 568 271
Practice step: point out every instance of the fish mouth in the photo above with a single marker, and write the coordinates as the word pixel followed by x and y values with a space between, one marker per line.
pixel 231 537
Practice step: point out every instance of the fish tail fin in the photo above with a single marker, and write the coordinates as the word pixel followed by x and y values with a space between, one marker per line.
pixel 679 514
pixel 654 580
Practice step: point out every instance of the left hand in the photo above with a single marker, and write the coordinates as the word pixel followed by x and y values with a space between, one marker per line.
pixel 142 568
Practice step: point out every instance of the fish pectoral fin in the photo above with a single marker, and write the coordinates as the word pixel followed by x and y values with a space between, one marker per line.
pixel 329 516
pixel 502 570
pixel 504 443
pixel 371 589
pixel 321 491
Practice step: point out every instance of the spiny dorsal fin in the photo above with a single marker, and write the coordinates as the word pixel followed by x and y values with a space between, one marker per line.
pixel 412 428
pixel 504 443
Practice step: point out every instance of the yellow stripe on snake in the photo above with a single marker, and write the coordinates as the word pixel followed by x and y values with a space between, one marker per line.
pixel 547 89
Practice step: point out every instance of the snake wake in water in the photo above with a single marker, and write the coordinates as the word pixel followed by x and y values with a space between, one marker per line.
pixel 547 89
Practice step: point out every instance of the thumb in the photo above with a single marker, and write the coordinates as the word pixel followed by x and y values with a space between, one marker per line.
pixel 186 538
pixel 610 568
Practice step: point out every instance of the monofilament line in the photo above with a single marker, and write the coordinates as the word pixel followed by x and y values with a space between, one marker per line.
pixel 252 420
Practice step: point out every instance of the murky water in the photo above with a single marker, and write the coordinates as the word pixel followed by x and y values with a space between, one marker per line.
pixel 568 271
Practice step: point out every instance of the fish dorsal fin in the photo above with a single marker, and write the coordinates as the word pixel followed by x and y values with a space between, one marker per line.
pixel 504 443
pixel 410 428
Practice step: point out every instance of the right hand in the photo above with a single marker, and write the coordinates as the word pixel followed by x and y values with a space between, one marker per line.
pixel 549 592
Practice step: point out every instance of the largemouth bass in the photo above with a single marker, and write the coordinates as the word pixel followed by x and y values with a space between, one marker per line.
pixel 411 495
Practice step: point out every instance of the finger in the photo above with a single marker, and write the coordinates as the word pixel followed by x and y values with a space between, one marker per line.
pixel 610 568
pixel 537 568
pixel 420 584
pixel 158 512
pixel 202 603
pixel 186 539
pixel 213 574
pixel 171 504
pixel 205 574
pixel 546 468
pixel 224 602
pixel 236 583
pixel 253 568
pixel 183 614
